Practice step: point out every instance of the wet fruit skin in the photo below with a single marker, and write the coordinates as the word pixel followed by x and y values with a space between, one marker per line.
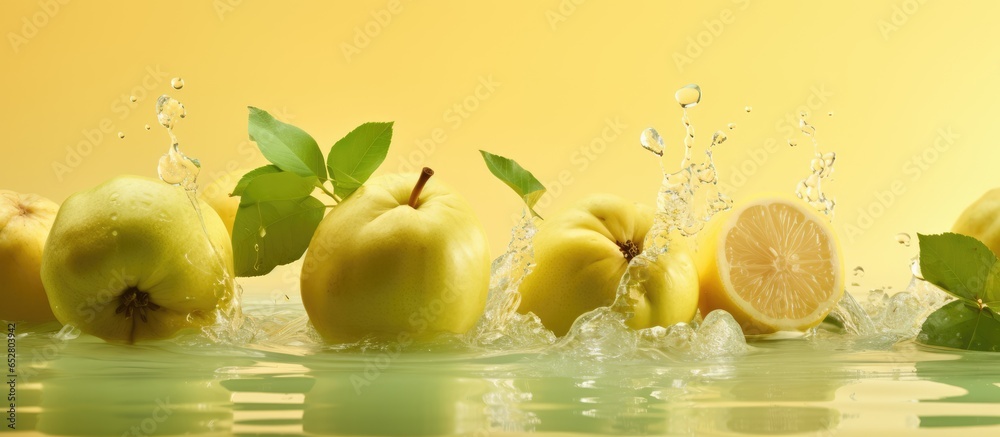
pixel 581 255
pixel 981 220
pixel 377 267
pixel 128 261
pixel 25 220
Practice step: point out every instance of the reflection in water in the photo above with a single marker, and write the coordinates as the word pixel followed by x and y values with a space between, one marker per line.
pixel 978 375
pixel 98 389
pixel 393 404
pixel 817 384
pixel 772 420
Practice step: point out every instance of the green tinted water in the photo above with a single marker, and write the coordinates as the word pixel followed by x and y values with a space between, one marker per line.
pixel 281 381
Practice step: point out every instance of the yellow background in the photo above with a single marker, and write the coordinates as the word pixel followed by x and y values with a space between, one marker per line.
pixel 897 72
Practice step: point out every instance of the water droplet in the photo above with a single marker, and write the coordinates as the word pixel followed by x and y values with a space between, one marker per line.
pixel 114 216
pixel 915 268
pixel 148 127
pixel 859 272
pixel 121 135
pixel 688 96
pixel 807 128
pixel 651 140
pixel 731 126
pixel 263 232
pixel 803 114
pixel 718 138
pixel 168 111
pixel 903 238
pixel 829 114
pixel 114 233
pixel 748 108
pixel 177 83
pixel 855 284
pixel 133 99
pixel 792 143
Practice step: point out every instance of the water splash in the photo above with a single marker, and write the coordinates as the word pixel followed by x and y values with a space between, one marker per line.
pixel 502 327
pixel 603 334
pixel 810 189
pixel 687 199
pixel 883 319
pixel 176 168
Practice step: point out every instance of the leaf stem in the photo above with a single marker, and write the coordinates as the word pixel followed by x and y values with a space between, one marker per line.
pixel 328 192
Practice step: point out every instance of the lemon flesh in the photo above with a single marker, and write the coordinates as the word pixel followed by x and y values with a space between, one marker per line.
pixel 774 263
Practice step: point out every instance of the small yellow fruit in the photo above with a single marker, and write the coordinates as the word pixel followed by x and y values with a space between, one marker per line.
pixel 581 255
pixel 216 194
pixel 25 221
pixel 773 262
pixel 379 267
pixel 981 220
pixel 129 260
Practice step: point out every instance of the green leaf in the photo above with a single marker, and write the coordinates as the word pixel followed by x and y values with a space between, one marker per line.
pixel 962 325
pixel 245 180
pixel 516 177
pixel 961 265
pixel 355 157
pixel 275 222
pixel 286 146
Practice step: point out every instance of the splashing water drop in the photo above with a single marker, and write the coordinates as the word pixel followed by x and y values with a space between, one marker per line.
pixel 829 114
pixel 121 135
pixel 114 233
pixel 651 140
pixel 748 108
pixel 915 268
pixel 903 238
pixel 859 272
pixel 719 137
pixel 148 127
pixel 263 232
pixel 731 126
pixel 175 167
pixel 169 111
pixel 821 167
pixel 688 96
pixel 177 83
pixel 806 128
pixel 132 99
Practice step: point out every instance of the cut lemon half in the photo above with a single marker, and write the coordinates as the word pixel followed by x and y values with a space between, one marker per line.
pixel 773 262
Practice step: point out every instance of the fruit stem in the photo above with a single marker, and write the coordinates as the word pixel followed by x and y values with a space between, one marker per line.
pixel 629 249
pixel 133 301
pixel 415 194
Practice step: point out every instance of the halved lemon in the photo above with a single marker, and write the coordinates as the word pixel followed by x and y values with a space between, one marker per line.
pixel 773 262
